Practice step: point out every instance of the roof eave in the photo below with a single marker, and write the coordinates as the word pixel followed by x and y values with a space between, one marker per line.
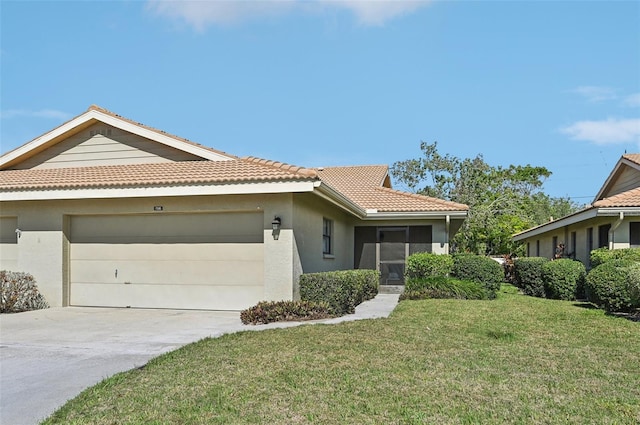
pixel 414 215
pixel 586 214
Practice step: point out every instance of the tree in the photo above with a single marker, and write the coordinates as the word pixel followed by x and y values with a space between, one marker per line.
pixel 502 200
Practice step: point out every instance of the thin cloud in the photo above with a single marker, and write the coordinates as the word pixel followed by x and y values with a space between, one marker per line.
pixel 632 100
pixel 606 132
pixel 202 14
pixel 596 93
pixel 42 113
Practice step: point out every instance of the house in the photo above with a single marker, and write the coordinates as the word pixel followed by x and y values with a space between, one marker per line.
pixel 105 211
pixel 612 220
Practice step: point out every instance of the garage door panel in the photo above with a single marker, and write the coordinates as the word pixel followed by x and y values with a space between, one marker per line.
pixel 169 228
pixel 197 261
pixel 205 252
pixel 167 296
pixel 168 272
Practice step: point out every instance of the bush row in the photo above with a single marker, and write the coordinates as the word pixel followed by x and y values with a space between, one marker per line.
pixel 464 267
pixel 613 283
pixel 19 292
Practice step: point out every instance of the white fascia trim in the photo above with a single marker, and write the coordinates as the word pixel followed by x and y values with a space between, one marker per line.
pixel 148 192
pixel 576 218
pixel 118 123
pixel 414 215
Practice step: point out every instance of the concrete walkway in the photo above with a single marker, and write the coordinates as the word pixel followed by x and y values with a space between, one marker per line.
pixel 49 356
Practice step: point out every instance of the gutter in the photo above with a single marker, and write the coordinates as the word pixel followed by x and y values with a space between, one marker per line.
pixel 613 228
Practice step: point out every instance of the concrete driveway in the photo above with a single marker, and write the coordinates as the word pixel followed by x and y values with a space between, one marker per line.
pixel 49 356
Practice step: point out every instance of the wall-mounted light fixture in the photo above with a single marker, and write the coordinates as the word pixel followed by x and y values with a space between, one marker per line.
pixel 19 233
pixel 275 226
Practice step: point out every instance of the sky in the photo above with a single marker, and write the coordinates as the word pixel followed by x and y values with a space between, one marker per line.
pixel 342 82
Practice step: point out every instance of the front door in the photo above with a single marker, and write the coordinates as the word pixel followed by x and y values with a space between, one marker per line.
pixel 393 254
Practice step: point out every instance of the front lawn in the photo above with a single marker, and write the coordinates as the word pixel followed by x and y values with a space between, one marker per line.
pixel 516 359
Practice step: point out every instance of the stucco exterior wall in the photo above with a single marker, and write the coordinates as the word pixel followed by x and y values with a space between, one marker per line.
pixel 308 212
pixel 42 249
pixel 582 253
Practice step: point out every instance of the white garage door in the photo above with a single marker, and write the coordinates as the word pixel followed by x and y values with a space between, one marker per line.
pixel 184 261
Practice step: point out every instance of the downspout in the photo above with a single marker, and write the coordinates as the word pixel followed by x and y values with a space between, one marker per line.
pixel 447 227
pixel 613 229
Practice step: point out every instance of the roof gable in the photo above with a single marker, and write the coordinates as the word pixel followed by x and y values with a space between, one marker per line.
pixel 78 131
pixel 624 177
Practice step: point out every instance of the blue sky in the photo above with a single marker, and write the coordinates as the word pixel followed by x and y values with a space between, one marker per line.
pixel 344 82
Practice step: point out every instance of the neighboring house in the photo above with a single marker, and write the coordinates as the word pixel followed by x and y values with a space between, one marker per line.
pixel 612 220
pixel 104 211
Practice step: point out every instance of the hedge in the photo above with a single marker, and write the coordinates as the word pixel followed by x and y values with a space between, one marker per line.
pixel 608 285
pixel 424 264
pixel 418 288
pixel 341 290
pixel 563 278
pixel 603 255
pixel 489 273
pixel 528 275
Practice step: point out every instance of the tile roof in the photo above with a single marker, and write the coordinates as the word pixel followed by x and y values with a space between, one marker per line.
pixel 633 157
pixel 630 198
pixel 159 174
pixel 364 186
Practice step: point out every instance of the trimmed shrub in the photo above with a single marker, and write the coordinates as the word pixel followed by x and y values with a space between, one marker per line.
pixel 419 288
pixel 424 264
pixel 489 273
pixel 607 286
pixel 276 311
pixel 19 292
pixel 633 281
pixel 603 255
pixel 528 275
pixel 341 290
pixel 563 278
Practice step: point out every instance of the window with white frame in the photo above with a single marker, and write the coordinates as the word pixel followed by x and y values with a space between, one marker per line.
pixel 327 234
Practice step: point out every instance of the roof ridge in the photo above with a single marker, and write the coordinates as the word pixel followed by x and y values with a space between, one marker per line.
pixel 423 197
pixel 306 172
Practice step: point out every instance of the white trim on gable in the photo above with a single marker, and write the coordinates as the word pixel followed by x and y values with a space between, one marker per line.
pixel 614 173
pixel 93 114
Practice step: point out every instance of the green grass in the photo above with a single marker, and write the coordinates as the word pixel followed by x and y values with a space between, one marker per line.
pixel 516 359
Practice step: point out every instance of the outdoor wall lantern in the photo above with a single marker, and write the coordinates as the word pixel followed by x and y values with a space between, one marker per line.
pixel 275 226
pixel 19 233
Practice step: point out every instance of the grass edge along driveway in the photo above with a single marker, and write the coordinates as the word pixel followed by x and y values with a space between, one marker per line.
pixel 515 359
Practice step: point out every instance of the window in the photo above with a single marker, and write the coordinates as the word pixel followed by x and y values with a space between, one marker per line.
pixel 589 240
pixel 634 234
pixel 537 248
pixel 327 233
pixel 573 245
pixel 603 236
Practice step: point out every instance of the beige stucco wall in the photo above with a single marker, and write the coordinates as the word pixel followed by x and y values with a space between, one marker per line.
pixel 582 253
pixel 43 245
pixel 308 212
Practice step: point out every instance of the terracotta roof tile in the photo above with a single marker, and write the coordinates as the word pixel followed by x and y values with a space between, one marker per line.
pixel 633 157
pixel 630 198
pixel 162 174
pixel 364 186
